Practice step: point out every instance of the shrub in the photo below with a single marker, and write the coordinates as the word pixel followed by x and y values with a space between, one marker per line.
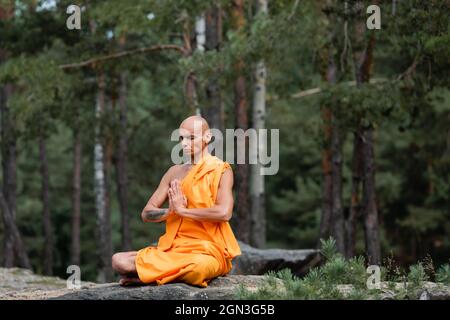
pixel 417 275
pixel 323 282
pixel 443 274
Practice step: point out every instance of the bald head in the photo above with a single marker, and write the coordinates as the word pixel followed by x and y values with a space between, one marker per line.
pixel 195 122
pixel 194 135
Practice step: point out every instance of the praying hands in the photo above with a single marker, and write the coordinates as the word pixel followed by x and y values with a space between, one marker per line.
pixel 177 200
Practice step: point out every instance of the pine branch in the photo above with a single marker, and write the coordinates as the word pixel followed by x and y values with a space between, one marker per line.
pixel 313 91
pixel 411 68
pixel 121 54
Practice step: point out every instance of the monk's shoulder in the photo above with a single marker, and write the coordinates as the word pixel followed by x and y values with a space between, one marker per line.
pixel 179 171
pixel 171 173
pixel 223 168
pixel 174 170
pixel 220 163
pixel 226 177
pixel 226 167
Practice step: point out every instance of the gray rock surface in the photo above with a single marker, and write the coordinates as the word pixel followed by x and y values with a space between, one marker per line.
pixel 259 261
pixel 222 288
pixel 23 284
pixel 247 269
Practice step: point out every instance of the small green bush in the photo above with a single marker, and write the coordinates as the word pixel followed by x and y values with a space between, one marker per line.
pixel 322 282
pixel 443 274
pixel 417 275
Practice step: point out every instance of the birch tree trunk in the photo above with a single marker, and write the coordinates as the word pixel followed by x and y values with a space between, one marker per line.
pixel 200 32
pixel 257 193
pixel 103 219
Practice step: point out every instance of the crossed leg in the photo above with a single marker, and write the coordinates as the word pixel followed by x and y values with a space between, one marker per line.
pixel 124 264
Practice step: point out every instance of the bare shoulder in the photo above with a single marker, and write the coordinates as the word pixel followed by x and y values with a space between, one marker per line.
pixel 228 171
pixel 172 172
pixel 175 168
pixel 226 180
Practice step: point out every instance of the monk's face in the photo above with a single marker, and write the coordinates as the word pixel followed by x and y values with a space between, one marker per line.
pixel 194 137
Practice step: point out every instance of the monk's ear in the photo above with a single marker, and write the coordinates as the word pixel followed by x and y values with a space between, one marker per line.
pixel 207 136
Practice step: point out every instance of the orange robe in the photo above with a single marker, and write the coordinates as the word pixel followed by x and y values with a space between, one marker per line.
pixel 192 251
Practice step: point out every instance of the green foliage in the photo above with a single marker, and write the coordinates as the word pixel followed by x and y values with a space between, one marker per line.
pixel 40 92
pixel 328 248
pixel 300 203
pixel 417 274
pixel 319 283
pixel 408 104
pixel 339 278
pixel 443 274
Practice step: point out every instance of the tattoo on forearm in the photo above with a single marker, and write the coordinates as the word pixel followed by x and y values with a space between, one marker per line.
pixel 155 214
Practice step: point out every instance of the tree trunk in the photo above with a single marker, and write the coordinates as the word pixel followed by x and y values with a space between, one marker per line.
pixel 332 212
pixel 257 193
pixel 200 35
pixel 242 223
pixel 213 112
pixel 328 75
pixel 325 222
pixel 11 228
pixel 371 223
pixel 355 205
pixel 76 197
pixel 363 66
pixel 8 152
pixel 47 221
pixel 108 155
pixel 335 142
pixel 103 218
pixel 9 173
pixel 336 178
pixel 13 252
pixel 122 165
pixel 190 81
pixel 337 215
pixel 8 149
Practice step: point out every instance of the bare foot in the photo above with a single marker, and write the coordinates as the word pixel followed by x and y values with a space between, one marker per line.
pixel 128 281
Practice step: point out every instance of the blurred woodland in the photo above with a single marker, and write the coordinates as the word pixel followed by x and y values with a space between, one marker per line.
pixel 86 117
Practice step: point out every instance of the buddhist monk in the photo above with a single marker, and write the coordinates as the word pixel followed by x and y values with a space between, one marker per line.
pixel 198 244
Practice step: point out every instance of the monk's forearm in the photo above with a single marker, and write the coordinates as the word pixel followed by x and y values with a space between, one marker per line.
pixel 212 214
pixel 154 214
